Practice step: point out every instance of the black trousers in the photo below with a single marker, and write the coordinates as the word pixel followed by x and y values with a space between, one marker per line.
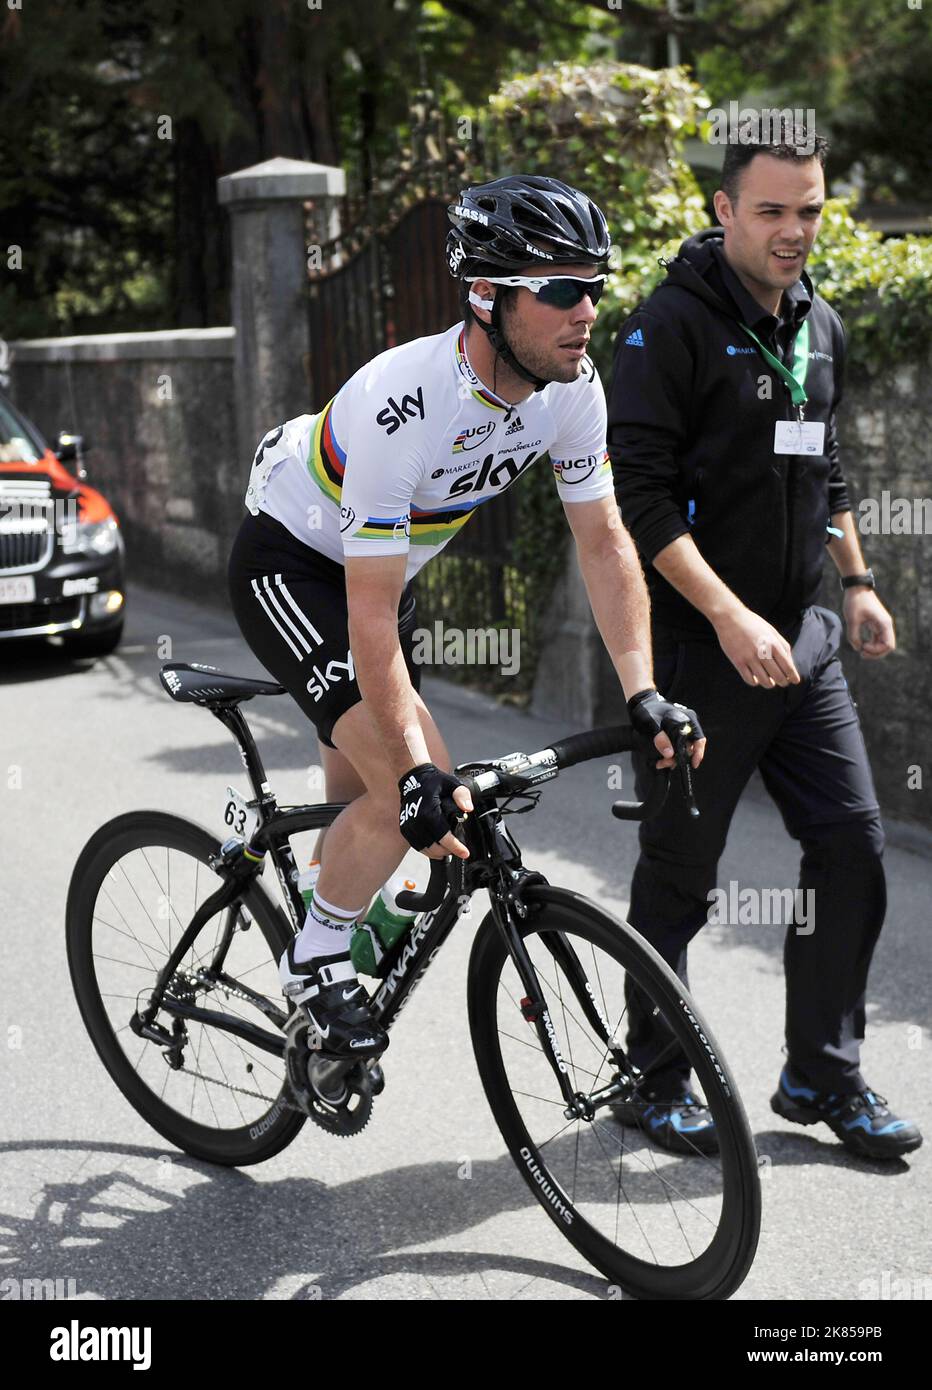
pixel 807 742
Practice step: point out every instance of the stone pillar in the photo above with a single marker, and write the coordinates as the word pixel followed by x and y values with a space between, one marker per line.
pixel 269 299
pixel 566 682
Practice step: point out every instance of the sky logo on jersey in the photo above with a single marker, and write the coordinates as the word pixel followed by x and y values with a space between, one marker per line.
pixel 333 674
pixel 501 476
pixel 393 415
pixel 472 438
pixel 635 339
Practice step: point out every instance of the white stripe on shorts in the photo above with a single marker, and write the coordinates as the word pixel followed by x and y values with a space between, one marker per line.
pixel 273 620
pixel 303 616
pixel 285 617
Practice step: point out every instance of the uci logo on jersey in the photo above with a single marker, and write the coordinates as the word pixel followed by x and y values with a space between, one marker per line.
pixel 472 438
pixel 576 470
pixel 393 416
pixel 501 476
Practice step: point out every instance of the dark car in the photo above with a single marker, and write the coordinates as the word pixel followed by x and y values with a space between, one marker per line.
pixel 62 559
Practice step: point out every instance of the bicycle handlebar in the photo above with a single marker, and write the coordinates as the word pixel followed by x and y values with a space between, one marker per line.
pixel 515 770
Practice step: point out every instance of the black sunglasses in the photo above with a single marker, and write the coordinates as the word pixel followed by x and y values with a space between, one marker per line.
pixel 560 291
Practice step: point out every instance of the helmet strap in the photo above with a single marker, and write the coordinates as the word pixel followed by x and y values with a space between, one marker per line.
pixel 493 331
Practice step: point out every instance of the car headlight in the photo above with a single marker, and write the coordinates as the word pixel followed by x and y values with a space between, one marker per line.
pixel 91 537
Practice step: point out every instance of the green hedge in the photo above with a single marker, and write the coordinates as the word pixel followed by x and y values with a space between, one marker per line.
pixel 882 289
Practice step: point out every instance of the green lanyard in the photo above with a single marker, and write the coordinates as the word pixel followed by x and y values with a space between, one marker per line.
pixel 794 379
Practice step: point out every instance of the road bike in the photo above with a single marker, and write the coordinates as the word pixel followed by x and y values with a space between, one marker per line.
pixel 173 947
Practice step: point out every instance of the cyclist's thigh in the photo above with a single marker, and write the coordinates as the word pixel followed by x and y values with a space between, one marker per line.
pixel 817 769
pixel 359 739
pixel 290 603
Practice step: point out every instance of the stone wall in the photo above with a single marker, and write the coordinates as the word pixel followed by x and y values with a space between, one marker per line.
pixel 158 410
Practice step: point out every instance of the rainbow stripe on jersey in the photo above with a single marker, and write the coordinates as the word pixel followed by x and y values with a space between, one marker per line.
pixel 326 463
pixel 477 391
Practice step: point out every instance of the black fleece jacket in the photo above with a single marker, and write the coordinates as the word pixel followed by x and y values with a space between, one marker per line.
pixel 692 409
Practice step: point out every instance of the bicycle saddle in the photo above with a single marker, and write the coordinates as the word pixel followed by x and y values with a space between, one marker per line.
pixel 201 685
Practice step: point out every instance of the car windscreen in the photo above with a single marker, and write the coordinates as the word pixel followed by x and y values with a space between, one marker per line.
pixel 19 442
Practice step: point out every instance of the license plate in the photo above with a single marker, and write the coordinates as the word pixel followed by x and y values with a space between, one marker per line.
pixel 18 588
pixel 241 818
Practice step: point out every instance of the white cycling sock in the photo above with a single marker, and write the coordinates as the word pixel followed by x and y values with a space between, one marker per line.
pixel 326 930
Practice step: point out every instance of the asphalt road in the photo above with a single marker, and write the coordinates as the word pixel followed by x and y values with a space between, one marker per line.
pixel 91 1194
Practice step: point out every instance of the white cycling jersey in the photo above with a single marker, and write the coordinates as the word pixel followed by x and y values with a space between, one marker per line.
pixel 407 449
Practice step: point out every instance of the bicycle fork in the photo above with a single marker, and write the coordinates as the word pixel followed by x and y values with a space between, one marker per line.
pixel 508 910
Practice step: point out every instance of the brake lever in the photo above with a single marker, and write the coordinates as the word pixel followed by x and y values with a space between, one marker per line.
pixel 685 769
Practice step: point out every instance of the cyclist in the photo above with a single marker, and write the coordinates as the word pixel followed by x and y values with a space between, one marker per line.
pixel 348 504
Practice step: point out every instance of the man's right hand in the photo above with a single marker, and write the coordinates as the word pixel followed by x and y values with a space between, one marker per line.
pixel 758 652
pixel 430 801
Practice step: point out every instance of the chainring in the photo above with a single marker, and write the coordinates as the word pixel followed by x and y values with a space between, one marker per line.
pixel 343 1108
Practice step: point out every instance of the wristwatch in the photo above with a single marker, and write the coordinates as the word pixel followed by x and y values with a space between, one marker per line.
pixel 851 581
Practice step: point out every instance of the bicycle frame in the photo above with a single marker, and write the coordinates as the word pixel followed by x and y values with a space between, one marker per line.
pixel 494 863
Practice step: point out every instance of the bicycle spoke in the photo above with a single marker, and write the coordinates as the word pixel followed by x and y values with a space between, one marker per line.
pixel 665 1208
pixel 146 899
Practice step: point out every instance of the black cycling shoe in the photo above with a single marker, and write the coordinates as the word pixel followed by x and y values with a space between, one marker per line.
pixel 335 1002
pixel 681 1124
pixel 862 1121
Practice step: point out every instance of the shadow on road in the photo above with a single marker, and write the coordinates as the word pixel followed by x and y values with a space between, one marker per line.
pixel 136 1222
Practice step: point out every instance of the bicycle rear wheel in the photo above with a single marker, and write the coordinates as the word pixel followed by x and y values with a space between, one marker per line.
pixel 135 887
pixel 660 1225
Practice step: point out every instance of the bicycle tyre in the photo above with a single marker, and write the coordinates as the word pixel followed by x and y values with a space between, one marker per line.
pixel 724 1264
pixel 270 1132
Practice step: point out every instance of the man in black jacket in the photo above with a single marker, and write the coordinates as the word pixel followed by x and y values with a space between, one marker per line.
pixel 722 435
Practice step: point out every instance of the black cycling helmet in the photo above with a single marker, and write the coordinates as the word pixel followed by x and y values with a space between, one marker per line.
pixel 511 222
pixel 522 218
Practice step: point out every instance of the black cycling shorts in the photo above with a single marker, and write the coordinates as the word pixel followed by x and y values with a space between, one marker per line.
pixel 290 603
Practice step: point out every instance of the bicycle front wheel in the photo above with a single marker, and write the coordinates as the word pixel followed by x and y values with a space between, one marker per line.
pixel 135 887
pixel 659 1225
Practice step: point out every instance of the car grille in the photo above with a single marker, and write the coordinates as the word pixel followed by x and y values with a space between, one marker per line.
pixel 27 535
pixel 14 616
pixel 20 550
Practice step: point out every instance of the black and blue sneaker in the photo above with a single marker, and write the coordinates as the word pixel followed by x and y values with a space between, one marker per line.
pixel 861 1120
pixel 681 1123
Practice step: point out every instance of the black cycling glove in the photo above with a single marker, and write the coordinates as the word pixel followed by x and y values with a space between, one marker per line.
pixel 651 714
pixel 428 810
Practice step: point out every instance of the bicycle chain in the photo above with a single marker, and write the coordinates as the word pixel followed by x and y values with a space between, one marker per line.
pixel 241 1090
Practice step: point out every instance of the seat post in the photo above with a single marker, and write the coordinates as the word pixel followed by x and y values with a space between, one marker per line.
pixel 231 716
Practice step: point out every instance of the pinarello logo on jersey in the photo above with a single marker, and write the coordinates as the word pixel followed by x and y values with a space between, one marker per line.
pixel 472 438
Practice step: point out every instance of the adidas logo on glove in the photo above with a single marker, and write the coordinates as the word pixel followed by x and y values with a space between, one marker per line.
pixel 411 785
